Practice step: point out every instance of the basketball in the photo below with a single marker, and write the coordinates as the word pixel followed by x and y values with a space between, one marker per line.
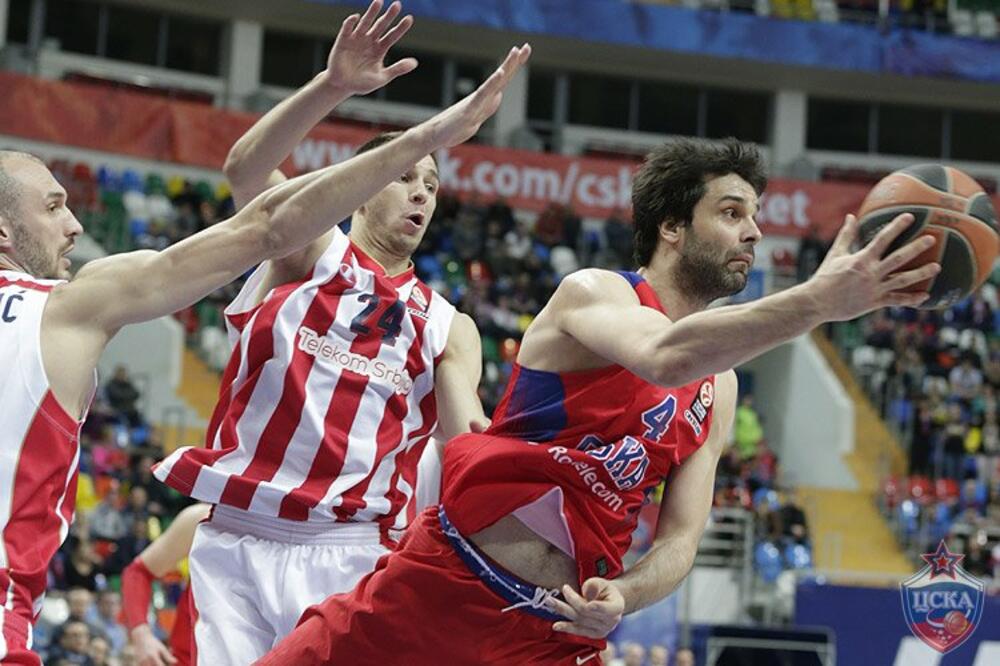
pixel 948 205
pixel 955 622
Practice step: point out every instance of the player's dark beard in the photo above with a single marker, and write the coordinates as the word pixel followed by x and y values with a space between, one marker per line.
pixel 32 257
pixel 703 275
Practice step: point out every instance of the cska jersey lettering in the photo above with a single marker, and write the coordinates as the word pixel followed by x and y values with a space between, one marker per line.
pixel 9 305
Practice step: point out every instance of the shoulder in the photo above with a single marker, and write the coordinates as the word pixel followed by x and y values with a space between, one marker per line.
pixel 463 332
pixel 591 285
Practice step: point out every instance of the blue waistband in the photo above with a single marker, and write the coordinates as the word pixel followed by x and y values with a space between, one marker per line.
pixel 522 595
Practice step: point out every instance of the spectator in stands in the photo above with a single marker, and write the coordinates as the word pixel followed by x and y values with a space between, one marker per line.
pixel 659 655
pixel 685 657
pixel 792 518
pixel 953 443
pixel 923 433
pixel 137 508
pixel 618 233
pixel 73 646
pixel 123 395
pixel 105 618
pixel 160 499
pixel 100 651
pixel 747 430
pixel 106 521
pixel 965 380
pixel 83 566
pixel 977 556
pixel 129 546
pixel 467 235
pixel 633 654
pixel 812 250
pixel 518 242
pixel 549 225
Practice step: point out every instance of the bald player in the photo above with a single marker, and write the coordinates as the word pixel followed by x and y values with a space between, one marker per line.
pixel 53 329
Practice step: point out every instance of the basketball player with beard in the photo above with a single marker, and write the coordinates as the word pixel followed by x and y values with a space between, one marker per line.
pixel 623 380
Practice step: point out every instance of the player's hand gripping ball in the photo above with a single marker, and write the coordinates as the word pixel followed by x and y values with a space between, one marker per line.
pixel 948 205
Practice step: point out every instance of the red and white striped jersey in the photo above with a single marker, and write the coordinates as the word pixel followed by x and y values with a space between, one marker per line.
pixel 39 449
pixel 328 399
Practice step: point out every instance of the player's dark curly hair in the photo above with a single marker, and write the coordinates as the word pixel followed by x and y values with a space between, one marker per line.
pixel 378 140
pixel 672 181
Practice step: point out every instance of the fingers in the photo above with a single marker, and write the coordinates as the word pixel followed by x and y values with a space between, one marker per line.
pixel 516 57
pixel 901 281
pixel 347 27
pixel 479 425
pixel 580 629
pixel 574 599
pixel 389 39
pixel 369 16
pixel 562 608
pixel 845 237
pixel 888 233
pixel 905 299
pixel 906 254
pixel 404 66
pixel 386 19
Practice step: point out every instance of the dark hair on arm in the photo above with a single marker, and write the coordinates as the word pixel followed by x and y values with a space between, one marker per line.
pixel 672 181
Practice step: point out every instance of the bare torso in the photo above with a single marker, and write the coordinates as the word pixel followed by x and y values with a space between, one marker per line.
pixel 510 543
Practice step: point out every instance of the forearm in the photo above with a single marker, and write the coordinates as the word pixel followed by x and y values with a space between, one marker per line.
pixel 717 340
pixel 273 138
pixel 301 210
pixel 137 593
pixel 657 574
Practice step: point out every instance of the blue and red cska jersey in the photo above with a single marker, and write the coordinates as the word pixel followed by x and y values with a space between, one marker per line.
pixel 585 447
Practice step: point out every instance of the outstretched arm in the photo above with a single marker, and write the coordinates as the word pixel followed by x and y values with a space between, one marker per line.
pixel 82 315
pixel 138 286
pixel 599 310
pixel 354 67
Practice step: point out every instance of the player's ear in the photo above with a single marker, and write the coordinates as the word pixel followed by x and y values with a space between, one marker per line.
pixel 671 232
pixel 6 233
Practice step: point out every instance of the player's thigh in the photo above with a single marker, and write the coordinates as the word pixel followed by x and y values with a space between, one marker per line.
pixel 229 626
pixel 313 573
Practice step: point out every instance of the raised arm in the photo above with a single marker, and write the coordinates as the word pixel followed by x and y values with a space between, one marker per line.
pixel 81 316
pixel 354 67
pixel 601 311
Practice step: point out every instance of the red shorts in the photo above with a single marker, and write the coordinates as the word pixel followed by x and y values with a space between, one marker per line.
pixel 14 630
pixel 424 607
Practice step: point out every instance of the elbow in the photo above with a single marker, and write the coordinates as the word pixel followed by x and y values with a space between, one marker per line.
pixel 673 368
pixel 233 167
pixel 263 226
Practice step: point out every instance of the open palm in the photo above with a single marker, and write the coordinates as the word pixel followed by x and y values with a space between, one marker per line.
pixel 460 121
pixel 356 64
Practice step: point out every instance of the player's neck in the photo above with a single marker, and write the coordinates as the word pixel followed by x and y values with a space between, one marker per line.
pixel 677 302
pixel 392 264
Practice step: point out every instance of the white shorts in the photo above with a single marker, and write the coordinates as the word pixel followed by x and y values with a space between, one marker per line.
pixel 252 576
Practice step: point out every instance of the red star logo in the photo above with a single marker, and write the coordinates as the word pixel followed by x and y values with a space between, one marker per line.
pixel 942 561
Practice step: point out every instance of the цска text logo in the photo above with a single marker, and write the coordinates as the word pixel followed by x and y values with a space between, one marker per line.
pixel 942 603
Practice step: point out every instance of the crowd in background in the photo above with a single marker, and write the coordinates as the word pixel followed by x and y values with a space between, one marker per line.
pixel 935 375
pixel 120 509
